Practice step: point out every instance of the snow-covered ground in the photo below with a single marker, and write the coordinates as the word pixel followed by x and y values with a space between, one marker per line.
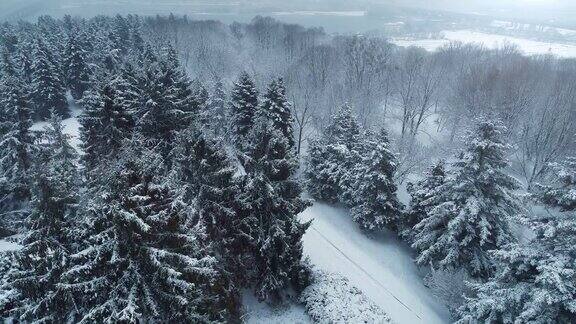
pixel 320 13
pixel 381 267
pixel 258 313
pixel 529 47
pixel 71 125
pixel 8 246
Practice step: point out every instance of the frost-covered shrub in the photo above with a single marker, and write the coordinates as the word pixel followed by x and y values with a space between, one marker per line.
pixel 450 287
pixel 332 299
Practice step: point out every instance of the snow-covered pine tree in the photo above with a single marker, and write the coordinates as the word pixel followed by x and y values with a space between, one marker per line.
pixel 24 63
pixel 276 108
pixel 76 68
pixel 206 174
pixel 536 280
pixel 200 101
pixel 128 88
pixel 332 156
pixel 7 74
pixel 47 243
pixel 214 116
pixel 271 202
pixel 474 209
pixel 47 87
pixel 206 178
pixel 7 67
pixel 104 126
pixel 168 105
pixel 141 261
pixel 422 198
pixel 562 196
pixel 243 106
pixel 376 205
pixel 17 148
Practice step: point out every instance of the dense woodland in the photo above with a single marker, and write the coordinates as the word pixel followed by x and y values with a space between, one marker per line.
pixel 199 141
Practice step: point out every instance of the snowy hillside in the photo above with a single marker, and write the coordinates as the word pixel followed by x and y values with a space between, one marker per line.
pixel 381 267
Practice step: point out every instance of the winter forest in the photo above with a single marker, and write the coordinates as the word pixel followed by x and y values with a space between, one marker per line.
pixel 172 170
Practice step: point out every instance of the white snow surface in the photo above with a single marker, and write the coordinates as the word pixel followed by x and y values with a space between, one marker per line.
pixel 527 46
pixel 71 125
pixel 382 267
pixel 256 312
pixel 6 245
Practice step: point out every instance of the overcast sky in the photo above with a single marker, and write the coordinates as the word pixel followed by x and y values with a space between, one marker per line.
pixel 550 10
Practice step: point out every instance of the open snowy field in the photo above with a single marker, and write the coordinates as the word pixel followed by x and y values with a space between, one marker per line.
pixel 529 47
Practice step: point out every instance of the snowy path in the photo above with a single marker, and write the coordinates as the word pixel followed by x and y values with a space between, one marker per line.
pixel 381 267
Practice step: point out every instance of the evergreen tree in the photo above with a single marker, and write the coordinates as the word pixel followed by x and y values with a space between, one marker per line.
pixel 271 202
pixel 332 157
pixel 472 212
pixel 206 176
pixel 169 105
pixel 25 65
pixel 7 68
pixel 535 281
pixel 104 126
pixel 76 67
pixel 46 246
pixel 275 106
pixel 214 116
pixel 141 262
pixel 47 86
pixel 17 147
pixel 422 199
pixel 376 203
pixel 200 101
pixel 243 106
pixel 128 88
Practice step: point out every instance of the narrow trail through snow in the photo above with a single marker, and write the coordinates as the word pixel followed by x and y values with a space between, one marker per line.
pixel 381 266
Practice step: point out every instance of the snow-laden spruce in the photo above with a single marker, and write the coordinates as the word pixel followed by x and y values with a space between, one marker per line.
pixel 535 281
pixel 37 267
pixel 17 149
pixel 276 108
pixel 376 205
pixel 141 260
pixel 48 90
pixel 332 157
pixel 470 213
pixel 169 104
pixel 105 124
pixel 243 106
pixel 331 298
pixel 270 202
pixel 421 194
pixel 205 177
pixel 214 115
pixel 76 67
pixel 356 169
